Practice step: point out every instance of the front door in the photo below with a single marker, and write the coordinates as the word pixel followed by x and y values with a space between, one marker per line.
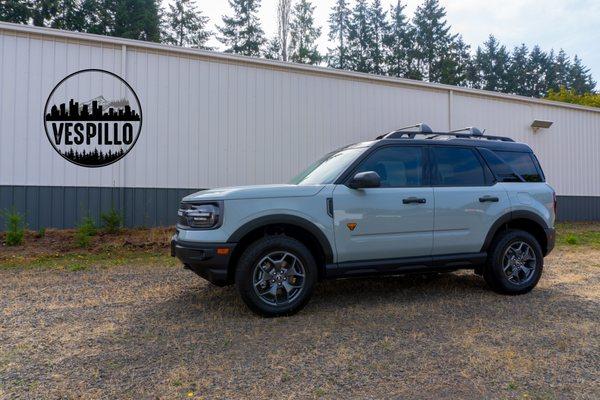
pixel 391 221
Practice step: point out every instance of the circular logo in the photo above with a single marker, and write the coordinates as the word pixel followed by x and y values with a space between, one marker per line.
pixel 93 118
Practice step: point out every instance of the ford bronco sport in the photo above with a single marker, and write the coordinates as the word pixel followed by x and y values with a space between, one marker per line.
pixel 409 201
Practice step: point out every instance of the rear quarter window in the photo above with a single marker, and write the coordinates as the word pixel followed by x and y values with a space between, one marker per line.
pixel 523 164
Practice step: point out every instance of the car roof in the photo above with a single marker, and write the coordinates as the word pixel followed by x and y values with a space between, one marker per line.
pixel 459 142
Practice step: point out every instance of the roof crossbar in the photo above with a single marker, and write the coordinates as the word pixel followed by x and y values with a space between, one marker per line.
pixel 425 130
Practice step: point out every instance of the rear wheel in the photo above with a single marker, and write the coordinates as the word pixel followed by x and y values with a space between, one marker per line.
pixel 276 276
pixel 515 263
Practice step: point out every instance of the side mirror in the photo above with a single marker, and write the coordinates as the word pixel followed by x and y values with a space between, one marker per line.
pixel 364 180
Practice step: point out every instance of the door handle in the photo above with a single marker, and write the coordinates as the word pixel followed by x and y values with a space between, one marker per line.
pixel 488 199
pixel 414 200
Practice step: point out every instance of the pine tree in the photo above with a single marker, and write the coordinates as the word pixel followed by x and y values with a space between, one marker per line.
pixel 42 11
pixel 491 64
pixel 432 38
pixel 16 11
pixel 580 79
pixel 455 66
pixel 517 70
pixel 99 16
pixel 242 33
pixel 398 44
pixel 536 77
pixel 69 15
pixel 186 25
pixel 562 66
pixel 273 49
pixel 137 19
pixel 360 38
pixel 304 34
pixel 550 72
pixel 339 27
pixel 379 31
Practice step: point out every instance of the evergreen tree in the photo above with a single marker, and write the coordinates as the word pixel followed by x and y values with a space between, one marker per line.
pixel 517 70
pixel 42 11
pixel 536 73
pixel 242 33
pixel 16 11
pixel 379 32
pixel 99 16
pixel 455 66
pixel 398 44
pixel 432 39
pixel 273 49
pixel 69 15
pixel 580 79
pixel 339 27
pixel 304 34
pixel 360 38
pixel 562 67
pixel 137 19
pixel 491 64
pixel 186 25
pixel 550 72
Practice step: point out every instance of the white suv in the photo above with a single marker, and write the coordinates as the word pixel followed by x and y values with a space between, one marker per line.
pixel 409 201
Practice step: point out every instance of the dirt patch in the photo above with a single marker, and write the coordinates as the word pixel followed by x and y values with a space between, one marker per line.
pixel 154 330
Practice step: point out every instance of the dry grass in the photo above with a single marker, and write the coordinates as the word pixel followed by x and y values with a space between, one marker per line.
pixel 142 327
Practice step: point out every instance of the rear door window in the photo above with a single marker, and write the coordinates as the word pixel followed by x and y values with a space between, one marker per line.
pixel 523 164
pixel 456 166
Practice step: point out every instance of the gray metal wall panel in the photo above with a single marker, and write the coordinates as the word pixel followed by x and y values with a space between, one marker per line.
pixel 65 207
pixel 578 208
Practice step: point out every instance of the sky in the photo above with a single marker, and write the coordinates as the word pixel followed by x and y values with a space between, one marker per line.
pixel 568 24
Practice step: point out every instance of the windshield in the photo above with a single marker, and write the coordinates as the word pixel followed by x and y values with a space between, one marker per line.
pixel 327 168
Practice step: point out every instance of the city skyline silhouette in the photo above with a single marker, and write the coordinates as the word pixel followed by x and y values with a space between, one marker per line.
pixel 73 112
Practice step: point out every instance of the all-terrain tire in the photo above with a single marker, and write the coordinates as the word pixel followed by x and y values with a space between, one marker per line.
pixel 494 270
pixel 247 268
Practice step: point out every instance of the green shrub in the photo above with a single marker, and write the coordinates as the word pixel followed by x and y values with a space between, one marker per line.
pixel 41 233
pixel 572 239
pixel 112 221
pixel 15 228
pixel 85 230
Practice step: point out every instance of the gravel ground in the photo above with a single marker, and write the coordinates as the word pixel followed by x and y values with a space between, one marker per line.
pixel 158 331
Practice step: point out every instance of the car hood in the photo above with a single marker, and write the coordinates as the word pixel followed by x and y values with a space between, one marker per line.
pixel 254 192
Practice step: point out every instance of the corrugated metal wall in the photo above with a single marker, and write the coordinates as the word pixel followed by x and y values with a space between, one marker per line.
pixel 213 120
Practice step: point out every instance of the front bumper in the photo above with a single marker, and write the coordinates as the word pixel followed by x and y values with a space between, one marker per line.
pixel 550 239
pixel 203 259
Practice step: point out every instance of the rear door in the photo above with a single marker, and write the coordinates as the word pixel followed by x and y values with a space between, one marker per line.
pixel 391 221
pixel 467 200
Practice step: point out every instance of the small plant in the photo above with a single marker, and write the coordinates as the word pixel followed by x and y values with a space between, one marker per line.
pixel 112 221
pixel 85 231
pixel 15 228
pixel 572 239
pixel 41 233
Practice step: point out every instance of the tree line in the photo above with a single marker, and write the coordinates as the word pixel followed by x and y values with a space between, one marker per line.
pixel 363 37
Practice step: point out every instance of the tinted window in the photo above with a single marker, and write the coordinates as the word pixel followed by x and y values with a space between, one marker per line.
pixel 523 165
pixel 396 166
pixel 501 169
pixel 457 167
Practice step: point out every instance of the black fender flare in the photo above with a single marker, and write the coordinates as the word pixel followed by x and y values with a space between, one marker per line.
pixel 285 219
pixel 511 216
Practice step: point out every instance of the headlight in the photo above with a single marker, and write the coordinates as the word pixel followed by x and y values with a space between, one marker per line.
pixel 203 216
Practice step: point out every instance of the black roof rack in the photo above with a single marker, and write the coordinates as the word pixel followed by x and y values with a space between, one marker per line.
pixel 425 130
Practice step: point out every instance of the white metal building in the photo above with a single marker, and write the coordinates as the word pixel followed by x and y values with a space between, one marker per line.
pixel 213 119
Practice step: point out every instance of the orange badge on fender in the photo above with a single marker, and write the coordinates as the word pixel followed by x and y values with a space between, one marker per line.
pixel 351 225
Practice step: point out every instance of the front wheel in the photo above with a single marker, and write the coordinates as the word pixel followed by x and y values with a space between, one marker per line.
pixel 276 275
pixel 515 263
